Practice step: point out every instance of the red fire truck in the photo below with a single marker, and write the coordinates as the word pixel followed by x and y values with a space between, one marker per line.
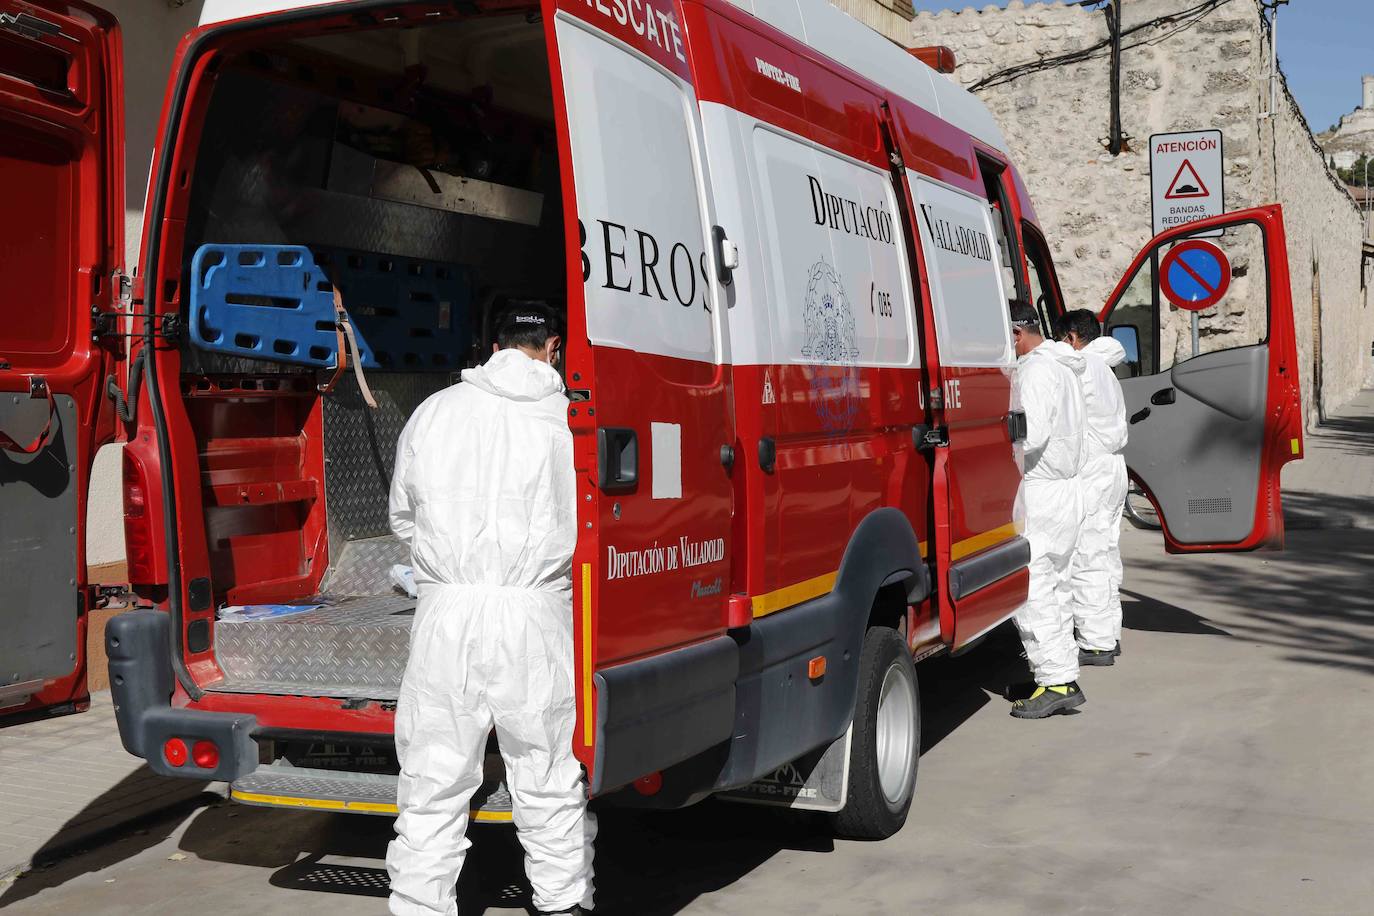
pixel 785 249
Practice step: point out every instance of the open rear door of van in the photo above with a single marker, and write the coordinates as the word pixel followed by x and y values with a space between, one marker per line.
pixel 1211 378
pixel 651 412
pixel 61 251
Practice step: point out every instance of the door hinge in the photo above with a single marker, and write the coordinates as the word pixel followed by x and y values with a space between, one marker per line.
pixel 113 595
pixel 106 324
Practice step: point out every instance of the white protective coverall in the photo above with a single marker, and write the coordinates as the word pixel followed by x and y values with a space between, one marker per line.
pixel 484 491
pixel 1097 569
pixel 1049 504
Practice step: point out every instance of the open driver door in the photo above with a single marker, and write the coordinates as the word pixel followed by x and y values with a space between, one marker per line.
pixel 1211 378
pixel 61 254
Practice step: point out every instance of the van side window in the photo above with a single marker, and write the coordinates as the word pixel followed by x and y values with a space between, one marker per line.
pixel 1044 285
pixel 967 286
pixel 1163 333
pixel 1013 279
pixel 841 285
pixel 639 200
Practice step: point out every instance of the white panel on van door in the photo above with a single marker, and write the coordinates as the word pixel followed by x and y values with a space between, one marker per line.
pixel 840 287
pixel 738 205
pixel 639 201
pixel 972 319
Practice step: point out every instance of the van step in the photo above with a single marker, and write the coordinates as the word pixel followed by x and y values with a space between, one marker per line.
pixel 279 786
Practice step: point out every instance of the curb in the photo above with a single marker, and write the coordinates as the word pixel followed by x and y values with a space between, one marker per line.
pixel 66 848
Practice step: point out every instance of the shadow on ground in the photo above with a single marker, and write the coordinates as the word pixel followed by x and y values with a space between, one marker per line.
pixel 652 863
pixel 104 818
pixel 1312 599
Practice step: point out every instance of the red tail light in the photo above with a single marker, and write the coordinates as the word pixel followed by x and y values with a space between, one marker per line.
pixel 205 755
pixel 138 524
pixel 649 785
pixel 174 751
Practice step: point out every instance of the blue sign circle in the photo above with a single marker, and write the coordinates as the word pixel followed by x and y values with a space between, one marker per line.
pixel 1195 275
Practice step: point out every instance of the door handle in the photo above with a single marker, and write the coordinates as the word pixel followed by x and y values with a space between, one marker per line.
pixel 768 454
pixel 617 458
pixel 1164 396
pixel 727 256
pixel 1140 415
pixel 1016 425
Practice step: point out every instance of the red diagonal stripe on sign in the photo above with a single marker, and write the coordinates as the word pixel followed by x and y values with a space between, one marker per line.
pixel 1211 291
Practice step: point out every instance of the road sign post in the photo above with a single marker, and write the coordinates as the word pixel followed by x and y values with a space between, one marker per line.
pixel 1186 180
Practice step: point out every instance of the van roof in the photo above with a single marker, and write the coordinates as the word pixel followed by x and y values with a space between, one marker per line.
pixel 848 41
pixel 814 23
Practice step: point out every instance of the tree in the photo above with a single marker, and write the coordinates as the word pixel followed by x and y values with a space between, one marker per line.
pixel 1355 175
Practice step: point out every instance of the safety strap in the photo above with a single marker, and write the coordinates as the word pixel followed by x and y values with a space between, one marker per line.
pixel 346 342
pixel 10 444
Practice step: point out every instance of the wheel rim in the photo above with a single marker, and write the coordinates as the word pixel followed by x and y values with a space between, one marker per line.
pixel 896 734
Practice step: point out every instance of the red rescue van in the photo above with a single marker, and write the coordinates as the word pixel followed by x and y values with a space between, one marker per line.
pixel 785 249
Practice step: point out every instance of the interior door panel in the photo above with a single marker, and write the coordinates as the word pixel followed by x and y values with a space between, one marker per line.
pixel 1200 455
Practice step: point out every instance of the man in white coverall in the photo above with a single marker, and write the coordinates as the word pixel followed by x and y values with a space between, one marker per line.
pixel 484 492
pixel 1097 564
pixel 1049 507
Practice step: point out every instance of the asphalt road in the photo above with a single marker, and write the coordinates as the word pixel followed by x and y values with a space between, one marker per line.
pixel 1223 766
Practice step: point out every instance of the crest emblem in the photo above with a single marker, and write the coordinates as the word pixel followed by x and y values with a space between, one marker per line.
pixel 831 342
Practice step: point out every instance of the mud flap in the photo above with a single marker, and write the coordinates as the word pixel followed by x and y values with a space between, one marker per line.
pixel 817 781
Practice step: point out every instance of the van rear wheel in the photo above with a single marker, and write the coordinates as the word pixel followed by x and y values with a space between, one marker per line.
pixel 887 740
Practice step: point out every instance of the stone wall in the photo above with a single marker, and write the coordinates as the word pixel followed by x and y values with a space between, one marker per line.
pixel 1197 70
pixel 887 17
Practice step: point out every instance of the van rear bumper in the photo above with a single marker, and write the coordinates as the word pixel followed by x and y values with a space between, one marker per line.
pixel 138 644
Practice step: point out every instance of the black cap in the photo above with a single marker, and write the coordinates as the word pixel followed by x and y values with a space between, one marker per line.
pixel 526 324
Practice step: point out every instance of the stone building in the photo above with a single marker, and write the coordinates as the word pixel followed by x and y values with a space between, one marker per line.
pixel 1354 136
pixel 1044 71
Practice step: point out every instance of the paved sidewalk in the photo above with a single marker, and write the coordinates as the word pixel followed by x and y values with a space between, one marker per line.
pixel 66 780
pixel 1333 485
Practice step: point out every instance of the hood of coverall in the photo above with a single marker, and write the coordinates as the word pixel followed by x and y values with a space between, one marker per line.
pixel 513 375
pixel 1105 404
pixel 1048 388
pixel 1108 349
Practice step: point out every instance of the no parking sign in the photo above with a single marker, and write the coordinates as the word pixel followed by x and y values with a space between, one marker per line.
pixel 1195 275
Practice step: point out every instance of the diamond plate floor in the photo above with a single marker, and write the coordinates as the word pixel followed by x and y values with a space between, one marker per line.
pixel 356 648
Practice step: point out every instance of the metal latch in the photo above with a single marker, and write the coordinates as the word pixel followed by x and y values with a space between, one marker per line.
pixel 124 289
pixel 30 26
pixel 924 436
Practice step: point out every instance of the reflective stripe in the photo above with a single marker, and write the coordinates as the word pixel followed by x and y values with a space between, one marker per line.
pixel 587 654
pixel 790 595
pixel 978 542
pixel 334 804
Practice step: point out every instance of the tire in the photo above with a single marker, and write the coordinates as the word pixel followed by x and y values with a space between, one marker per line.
pixel 887 741
pixel 1140 511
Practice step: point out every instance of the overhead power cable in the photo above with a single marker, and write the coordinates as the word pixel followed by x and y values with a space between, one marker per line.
pixel 1185 19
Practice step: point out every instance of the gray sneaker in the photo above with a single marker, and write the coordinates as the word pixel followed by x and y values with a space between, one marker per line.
pixel 1096 656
